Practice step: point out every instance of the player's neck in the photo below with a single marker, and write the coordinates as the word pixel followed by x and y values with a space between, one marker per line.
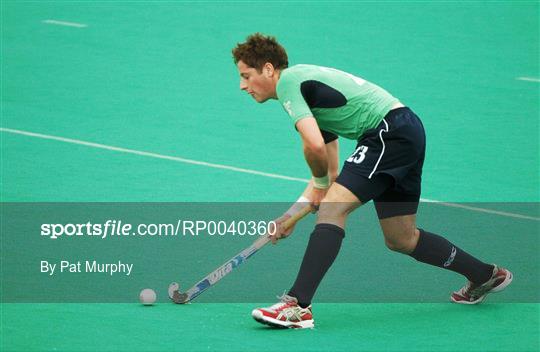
pixel 277 75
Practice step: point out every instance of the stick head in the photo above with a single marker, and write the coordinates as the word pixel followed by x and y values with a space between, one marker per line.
pixel 175 295
pixel 180 298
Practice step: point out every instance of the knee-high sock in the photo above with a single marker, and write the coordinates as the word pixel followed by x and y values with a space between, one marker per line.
pixel 436 250
pixel 322 249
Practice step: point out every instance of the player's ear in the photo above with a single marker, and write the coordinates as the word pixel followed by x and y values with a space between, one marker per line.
pixel 268 69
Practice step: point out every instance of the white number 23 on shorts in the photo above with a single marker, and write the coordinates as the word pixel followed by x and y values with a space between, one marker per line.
pixel 359 155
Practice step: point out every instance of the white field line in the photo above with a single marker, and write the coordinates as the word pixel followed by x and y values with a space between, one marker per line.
pixel 236 169
pixel 530 79
pixel 151 155
pixel 481 210
pixel 67 24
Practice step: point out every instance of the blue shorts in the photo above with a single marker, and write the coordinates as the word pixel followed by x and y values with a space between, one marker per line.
pixel 386 166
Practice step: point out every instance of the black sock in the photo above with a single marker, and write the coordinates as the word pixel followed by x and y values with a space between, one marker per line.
pixel 322 249
pixel 436 250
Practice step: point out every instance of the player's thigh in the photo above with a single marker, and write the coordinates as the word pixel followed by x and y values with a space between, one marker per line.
pixel 338 203
pixel 350 190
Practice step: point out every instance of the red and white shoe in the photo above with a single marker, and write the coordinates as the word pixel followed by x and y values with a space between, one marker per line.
pixel 285 314
pixel 473 294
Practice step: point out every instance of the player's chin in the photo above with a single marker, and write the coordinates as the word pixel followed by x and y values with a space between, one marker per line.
pixel 259 99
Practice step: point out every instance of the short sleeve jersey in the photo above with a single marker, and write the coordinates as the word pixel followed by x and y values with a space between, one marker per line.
pixel 341 103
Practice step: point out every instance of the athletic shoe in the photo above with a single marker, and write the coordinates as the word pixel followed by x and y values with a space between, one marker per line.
pixel 285 314
pixel 473 294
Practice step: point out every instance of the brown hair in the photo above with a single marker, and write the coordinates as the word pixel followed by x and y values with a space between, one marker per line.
pixel 259 49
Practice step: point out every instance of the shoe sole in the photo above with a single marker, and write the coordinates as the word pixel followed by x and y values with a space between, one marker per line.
pixel 259 317
pixel 507 280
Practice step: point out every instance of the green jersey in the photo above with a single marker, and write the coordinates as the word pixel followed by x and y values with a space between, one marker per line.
pixel 341 103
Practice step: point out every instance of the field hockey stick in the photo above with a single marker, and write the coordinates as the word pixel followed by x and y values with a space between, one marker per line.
pixel 218 274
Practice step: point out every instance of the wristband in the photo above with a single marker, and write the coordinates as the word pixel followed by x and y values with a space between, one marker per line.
pixel 321 182
pixel 298 205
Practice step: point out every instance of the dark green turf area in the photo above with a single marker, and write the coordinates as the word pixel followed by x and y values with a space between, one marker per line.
pixel 365 271
pixel 158 77
pixel 228 327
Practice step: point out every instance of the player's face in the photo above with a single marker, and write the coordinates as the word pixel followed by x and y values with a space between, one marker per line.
pixel 260 85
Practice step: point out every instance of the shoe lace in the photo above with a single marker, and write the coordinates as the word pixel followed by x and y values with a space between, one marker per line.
pixel 476 291
pixel 284 300
pixel 481 289
pixel 292 314
pixel 288 307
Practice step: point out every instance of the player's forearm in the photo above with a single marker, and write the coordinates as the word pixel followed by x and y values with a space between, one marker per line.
pixel 317 160
pixel 332 160
pixel 332 149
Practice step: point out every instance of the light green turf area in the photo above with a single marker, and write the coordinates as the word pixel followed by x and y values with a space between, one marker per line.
pixel 228 327
pixel 158 77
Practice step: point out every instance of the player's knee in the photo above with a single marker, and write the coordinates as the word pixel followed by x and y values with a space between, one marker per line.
pixel 396 246
pixel 333 212
pixel 330 210
pixel 402 242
